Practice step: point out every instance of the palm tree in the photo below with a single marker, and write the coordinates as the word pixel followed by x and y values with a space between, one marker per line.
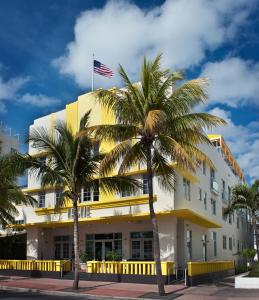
pixel 10 193
pixel 247 197
pixel 71 164
pixel 156 127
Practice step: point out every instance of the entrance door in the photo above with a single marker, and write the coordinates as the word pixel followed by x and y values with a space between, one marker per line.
pixel 99 250
pixel 107 248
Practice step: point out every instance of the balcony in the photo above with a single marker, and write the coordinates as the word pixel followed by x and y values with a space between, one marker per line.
pixel 214 187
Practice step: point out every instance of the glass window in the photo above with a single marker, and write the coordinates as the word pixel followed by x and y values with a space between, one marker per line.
pixel 86 194
pixel 189 244
pixel 230 243
pixel 204 167
pixel 224 242
pixel 96 194
pixel 148 249
pixel 205 200
pixel 135 249
pixel 213 206
pixel 58 196
pixel 212 177
pixel 200 194
pixel 145 184
pixel 66 250
pixel 42 199
pixel 223 195
pixel 57 251
pixel 214 238
pixel 89 247
pixel 118 246
pixel 229 194
pixel 187 189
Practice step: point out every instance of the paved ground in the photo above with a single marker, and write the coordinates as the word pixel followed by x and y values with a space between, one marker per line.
pixel 219 291
pixel 8 295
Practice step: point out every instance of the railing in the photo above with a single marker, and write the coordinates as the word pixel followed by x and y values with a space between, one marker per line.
pixel 36 265
pixel 129 267
pixel 196 268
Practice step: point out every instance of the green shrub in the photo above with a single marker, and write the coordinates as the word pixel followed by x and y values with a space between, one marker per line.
pixel 114 256
pixel 240 269
pixel 84 257
pixel 255 271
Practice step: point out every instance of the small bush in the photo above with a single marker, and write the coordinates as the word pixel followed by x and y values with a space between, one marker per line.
pixel 114 256
pixel 240 269
pixel 255 271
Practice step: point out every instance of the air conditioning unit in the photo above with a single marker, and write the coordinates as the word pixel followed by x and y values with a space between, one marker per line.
pixel 83 212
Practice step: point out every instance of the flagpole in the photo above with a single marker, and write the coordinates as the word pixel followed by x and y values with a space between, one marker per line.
pixel 93 74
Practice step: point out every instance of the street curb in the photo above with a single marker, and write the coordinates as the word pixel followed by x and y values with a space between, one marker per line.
pixel 68 294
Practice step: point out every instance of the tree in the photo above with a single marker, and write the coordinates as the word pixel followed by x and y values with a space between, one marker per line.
pixel 72 163
pixel 156 127
pixel 10 193
pixel 246 197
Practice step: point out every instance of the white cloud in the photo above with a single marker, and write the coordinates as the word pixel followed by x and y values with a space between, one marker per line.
pixel 39 100
pixel 10 90
pixel 233 81
pixel 243 142
pixel 121 32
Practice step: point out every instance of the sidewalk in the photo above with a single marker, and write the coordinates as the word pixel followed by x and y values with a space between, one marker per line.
pixel 94 288
pixel 100 290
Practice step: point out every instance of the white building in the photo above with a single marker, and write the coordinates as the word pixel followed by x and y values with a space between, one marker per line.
pixel 190 219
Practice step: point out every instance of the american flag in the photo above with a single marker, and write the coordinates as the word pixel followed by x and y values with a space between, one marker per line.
pixel 102 69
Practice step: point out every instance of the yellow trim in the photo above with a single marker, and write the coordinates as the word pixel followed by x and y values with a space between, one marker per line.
pixel 72 116
pixel 197 268
pixel 186 214
pixel 129 267
pixel 130 201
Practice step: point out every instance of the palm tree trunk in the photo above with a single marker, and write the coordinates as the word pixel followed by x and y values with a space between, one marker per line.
pixel 76 246
pixel 160 283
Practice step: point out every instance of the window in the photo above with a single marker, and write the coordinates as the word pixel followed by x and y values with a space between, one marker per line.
pixel 238 246
pixel 58 196
pixel 238 222
pixel 213 206
pixel 142 245
pixel 214 238
pixel 212 177
pixel 224 216
pixel 205 200
pixel 204 247
pixel 96 193
pixel 230 219
pixel 187 189
pixel 229 195
pixel 145 185
pixel 42 199
pixel 223 195
pixel 189 244
pixel 230 243
pixel 86 194
pixel 200 194
pixel 204 167
pixel 224 242
pixel 90 195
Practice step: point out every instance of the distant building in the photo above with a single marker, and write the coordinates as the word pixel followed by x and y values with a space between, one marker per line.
pixel 8 142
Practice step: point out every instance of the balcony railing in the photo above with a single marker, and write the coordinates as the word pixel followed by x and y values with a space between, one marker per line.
pixel 35 265
pixel 129 267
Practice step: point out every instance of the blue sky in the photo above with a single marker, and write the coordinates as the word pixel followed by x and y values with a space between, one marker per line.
pixel 46 48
